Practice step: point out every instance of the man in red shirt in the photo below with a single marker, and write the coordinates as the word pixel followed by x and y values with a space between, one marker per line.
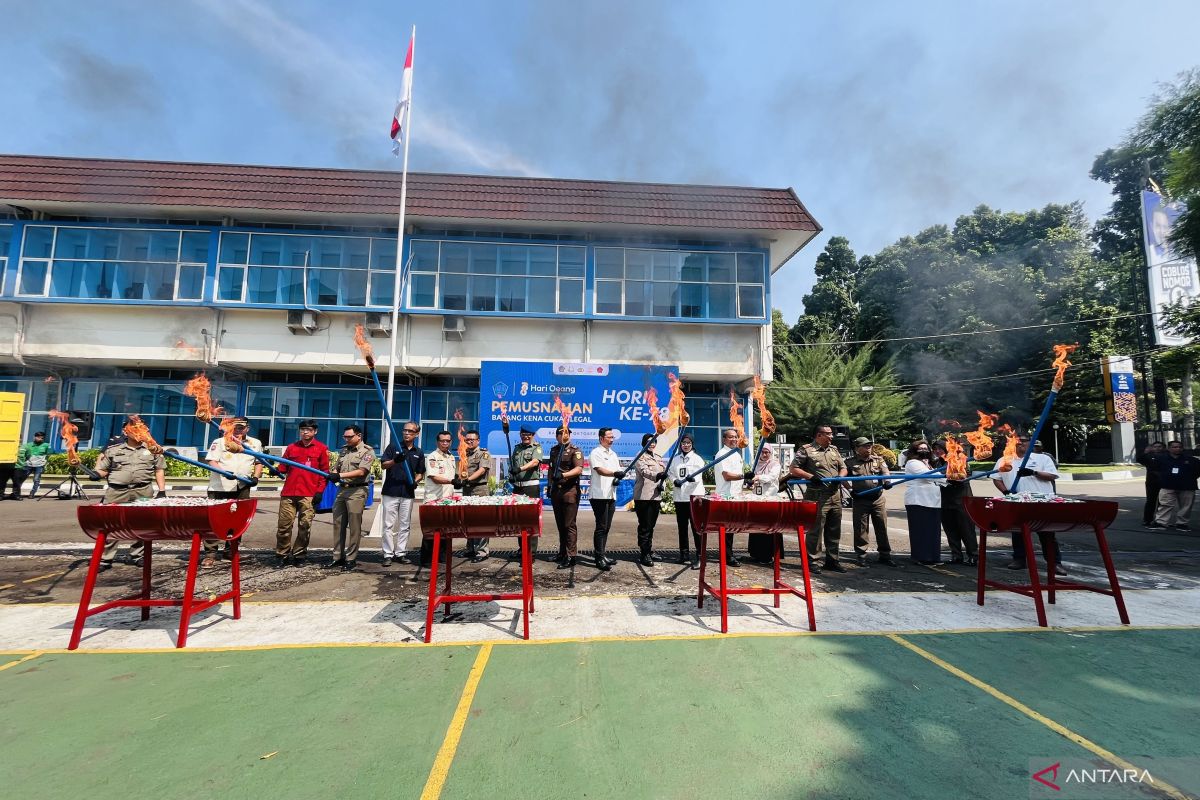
pixel 299 488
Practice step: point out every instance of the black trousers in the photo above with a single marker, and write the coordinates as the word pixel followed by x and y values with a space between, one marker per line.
pixel 1151 503
pixel 1019 548
pixel 647 516
pixel 9 472
pixel 683 518
pixel 960 531
pixel 603 509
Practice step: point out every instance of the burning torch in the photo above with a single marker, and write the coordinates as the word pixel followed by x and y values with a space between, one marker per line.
pixel 69 439
pixel 768 420
pixel 1061 351
pixel 659 427
pixel 136 429
pixel 364 348
pixel 738 425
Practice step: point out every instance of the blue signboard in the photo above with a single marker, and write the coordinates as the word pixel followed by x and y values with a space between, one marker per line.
pixel 598 395
pixel 1122 382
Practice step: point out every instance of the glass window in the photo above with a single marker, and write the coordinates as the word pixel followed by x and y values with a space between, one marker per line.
pixel 570 296
pixel 512 294
pixel 720 267
pixel 234 247
pixel 229 283
pixel 323 287
pixel 483 293
pixel 71 243
pixel 353 287
pixel 135 245
pixel 104 244
pixel 570 262
pixel 33 277
pixel 191 282
pixel 266 250
pixel 543 260
pixel 454 292
pixel 608 297
pixel 720 302
pixel 514 260
pixel 610 262
pixel 195 246
pixel 542 295
pixel 691 300
pixel 424 256
pixel 356 252
pixel 483 259
pixel 66 280
pixel 693 267
pixel 750 301
pixel 456 257
pixel 750 268
pixel 666 300
pixel 637 264
pixel 422 288
pixel 637 301
pixel 260 400
pixel 38 241
pixel 383 286
pixel 665 265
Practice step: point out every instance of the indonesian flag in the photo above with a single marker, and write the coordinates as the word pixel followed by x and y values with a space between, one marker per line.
pixel 400 117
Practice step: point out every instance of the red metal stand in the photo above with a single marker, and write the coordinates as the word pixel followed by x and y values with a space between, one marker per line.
pixel 223 522
pixel 753 517
pixel 444 523
pixel 998 516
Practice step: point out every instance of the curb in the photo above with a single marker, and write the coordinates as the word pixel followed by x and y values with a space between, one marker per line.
pixel 1112 475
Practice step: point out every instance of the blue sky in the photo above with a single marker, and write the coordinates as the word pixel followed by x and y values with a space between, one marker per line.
pixel 884 117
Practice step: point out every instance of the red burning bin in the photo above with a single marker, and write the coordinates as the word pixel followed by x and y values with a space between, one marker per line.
pixel 449 522
pixel 992 515
pixel 743 516
pixel 156 523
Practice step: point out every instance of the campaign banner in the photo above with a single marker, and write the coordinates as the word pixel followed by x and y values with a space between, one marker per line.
pixel 598 395
pixel 1172 278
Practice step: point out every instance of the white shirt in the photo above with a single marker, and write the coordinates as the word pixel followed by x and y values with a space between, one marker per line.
pixel 684 464
pixel 602 485
pixel 442 465
pixel 734 463
pixel 924 491
pixel 1038 462
pixel 766 478
pixel 237 463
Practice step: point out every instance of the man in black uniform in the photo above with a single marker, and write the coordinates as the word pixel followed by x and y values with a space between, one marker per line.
pixel 566 465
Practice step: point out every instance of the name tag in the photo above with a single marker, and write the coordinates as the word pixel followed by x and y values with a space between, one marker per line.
pixel 1174 470
pixel 758 488
pixel 683 472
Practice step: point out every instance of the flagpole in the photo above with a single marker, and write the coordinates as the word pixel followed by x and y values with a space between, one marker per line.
pixel 406 132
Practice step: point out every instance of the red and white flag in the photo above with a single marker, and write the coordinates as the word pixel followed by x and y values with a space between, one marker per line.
pixel 400 117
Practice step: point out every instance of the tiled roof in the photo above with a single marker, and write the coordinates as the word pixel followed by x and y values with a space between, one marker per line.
pixel 231 188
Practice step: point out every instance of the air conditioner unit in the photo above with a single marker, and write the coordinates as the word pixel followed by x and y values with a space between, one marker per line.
pixel 453 328
pixel 379 325
pixel 302 323
pixel 187 452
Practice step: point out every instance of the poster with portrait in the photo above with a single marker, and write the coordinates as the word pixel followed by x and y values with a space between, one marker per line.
pixel 1172 278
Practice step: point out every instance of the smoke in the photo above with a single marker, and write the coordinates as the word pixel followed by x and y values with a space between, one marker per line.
pixel 95 83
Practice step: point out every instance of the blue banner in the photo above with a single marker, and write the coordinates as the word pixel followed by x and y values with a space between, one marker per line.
pixel 1122 382
pixel 599 395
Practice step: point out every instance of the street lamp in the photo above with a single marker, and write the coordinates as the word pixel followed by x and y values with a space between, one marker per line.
pixel 1057 455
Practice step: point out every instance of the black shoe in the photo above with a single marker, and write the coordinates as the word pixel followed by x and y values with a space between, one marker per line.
pixel 861 561
pixel 602 564
pixel 646 560
pixel 655 557
pixel 104 565
pixel 813 565
pixel 1154 526
pixel 15 497
pixel 479 558
pixel 957 560
pixel 403 559
pixel 350 566
pixel 972 561
pixel 886 560
pixel 696 561
pixel 684 558
pixel 387 561
pixel 299 561
pixel 567 562
pixel 341 562
pixel 135 562
pixel 1015 565
pixel 1059 569
pixel 612 562
pixel 1177 527
pixel 732 561
pixel 833 565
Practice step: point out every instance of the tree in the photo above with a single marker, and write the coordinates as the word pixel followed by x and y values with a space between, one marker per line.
pixel 1172 124
pixel 830 310
pixel 824 383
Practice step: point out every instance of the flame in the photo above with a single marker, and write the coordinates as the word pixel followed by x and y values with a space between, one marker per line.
pixel 677 413
pixel 68 434
pixel 564 411
pixel 364 347
pixel 200 388
pixel 979 438
pixel 655 412
pixel 1061 351
pixel 232 445
pixel 1009 457
pixel 956 460
pixel 737 421
pixel 136 429
pixel 462 443
pixel 760 402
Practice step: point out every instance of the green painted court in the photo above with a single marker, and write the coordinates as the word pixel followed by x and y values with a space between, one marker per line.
pixel 827 716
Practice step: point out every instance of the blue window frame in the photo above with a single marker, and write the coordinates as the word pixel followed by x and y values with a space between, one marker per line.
pixel 680 284
pixel 438 407
pixel 450 275
pixel 6 234
pixel 91 263
pixel 167 412
pixel 277 410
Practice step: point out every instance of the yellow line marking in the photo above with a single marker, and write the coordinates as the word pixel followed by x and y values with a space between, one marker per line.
pixel 694 637
pixel 43 577
pixel 29 657
pixel 1012 702
pixel 441 765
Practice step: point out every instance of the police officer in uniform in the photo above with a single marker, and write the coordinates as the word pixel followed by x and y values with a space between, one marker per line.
pixel 352 474
pixel 525 469
pixel 132 471
pixel 474 483
pixel 566 465
pixel 647 500
pixel 814 462
pixel 868 506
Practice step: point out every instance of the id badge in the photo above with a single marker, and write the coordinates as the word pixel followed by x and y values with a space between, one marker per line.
pixel 1174 470
pixel 683 472
pixel 758 487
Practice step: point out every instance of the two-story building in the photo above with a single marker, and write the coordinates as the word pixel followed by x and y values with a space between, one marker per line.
pixel 122 279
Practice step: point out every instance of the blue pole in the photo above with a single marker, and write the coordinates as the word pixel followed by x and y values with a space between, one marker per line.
pixel 387 415
pixel 1037 432
pixel 713 463
pixel 209 467
pixel 640 453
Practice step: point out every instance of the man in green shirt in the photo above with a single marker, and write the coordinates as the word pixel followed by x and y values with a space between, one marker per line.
pixel 31 462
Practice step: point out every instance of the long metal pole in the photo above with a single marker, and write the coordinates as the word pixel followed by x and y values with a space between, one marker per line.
pixel 399 277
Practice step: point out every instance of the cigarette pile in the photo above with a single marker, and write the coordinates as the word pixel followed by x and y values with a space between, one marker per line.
pixel 1036 497
pixel 172 501
pixel 493 500
pixel 750 497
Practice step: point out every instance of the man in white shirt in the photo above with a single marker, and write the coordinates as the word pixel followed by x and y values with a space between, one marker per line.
pixel 1037 477
pixel 684 463
pixel 239 463
pixel 730 476
pixel 606 474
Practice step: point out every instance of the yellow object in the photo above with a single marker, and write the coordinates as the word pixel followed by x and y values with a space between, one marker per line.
pixel 12 411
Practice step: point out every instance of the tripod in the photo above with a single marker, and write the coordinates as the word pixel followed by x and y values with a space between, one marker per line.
pixel 73 488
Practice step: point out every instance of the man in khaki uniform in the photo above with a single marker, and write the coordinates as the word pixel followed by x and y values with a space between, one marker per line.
pixel 439 469
pixel 352 474
pixel 566 465
pixel 869 508
pixel 526 472
pixel 132 472
pixel 814 462
pixel 221 488
pixel 474 483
